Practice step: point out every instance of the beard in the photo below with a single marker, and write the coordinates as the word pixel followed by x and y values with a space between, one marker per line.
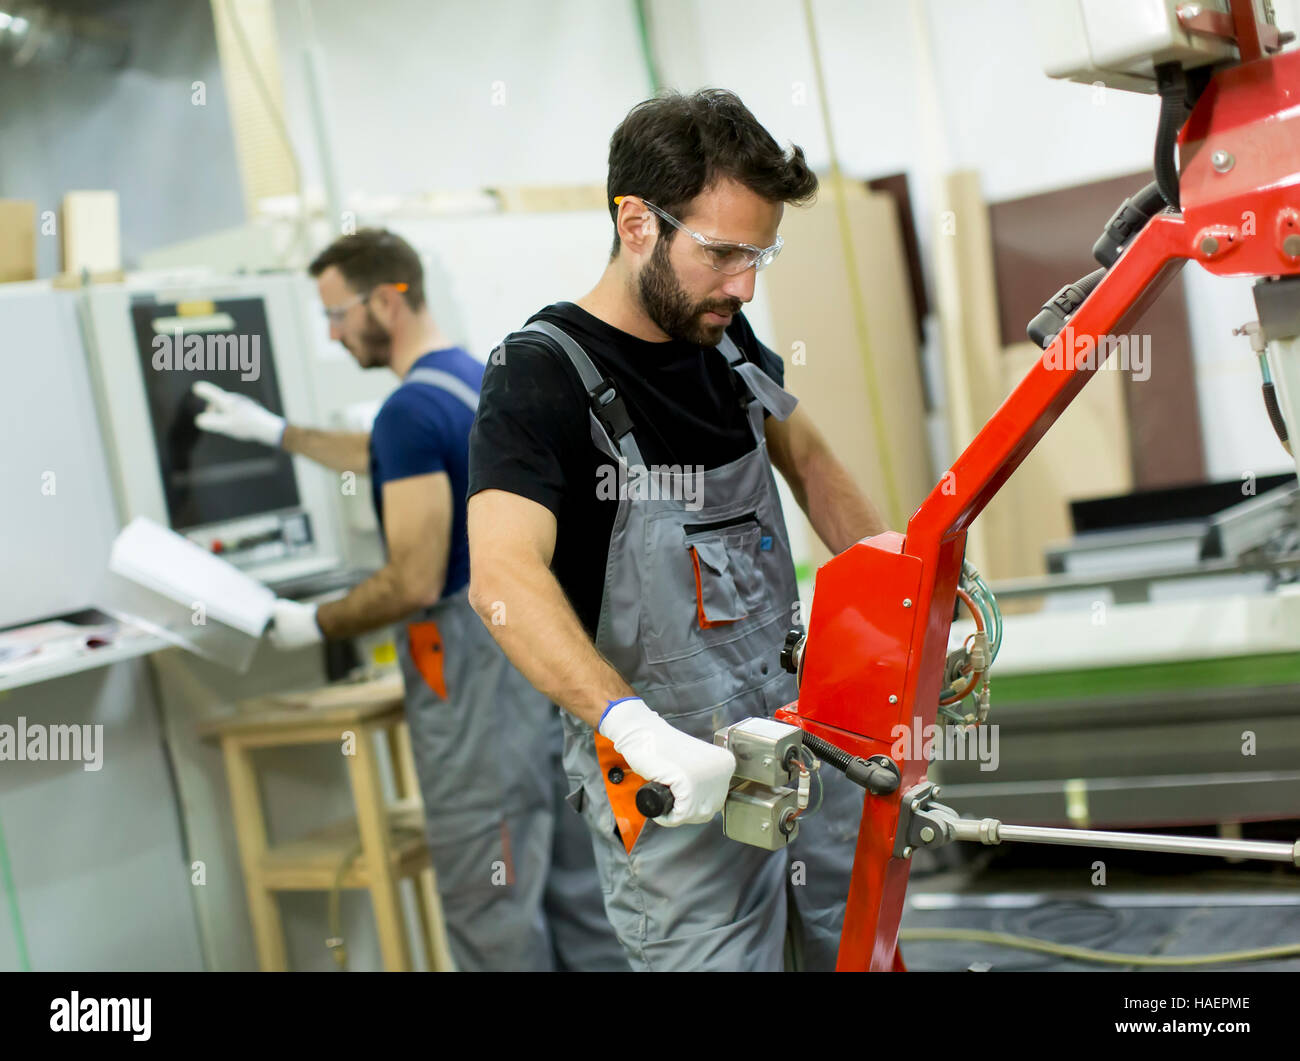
pixel 671 308
pixel 374 345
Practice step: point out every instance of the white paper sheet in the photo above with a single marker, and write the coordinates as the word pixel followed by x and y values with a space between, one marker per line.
pixel 173 566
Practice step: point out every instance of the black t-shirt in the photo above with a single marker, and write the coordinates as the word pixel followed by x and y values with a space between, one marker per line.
pixel 532 434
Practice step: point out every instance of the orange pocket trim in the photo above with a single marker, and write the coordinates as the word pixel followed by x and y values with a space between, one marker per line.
pixel 699 597
pixel 622 797
pixel 427 654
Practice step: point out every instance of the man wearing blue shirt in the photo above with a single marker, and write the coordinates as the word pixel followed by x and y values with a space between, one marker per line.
pixel 515 868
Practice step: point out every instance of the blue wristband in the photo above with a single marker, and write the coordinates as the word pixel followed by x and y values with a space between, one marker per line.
pixel 612 703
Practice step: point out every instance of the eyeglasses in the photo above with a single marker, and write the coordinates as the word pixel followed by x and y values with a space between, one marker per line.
pixel 728 258
pixel 335 314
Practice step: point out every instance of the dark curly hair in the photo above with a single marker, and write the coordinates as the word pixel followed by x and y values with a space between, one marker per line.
pixel 671 148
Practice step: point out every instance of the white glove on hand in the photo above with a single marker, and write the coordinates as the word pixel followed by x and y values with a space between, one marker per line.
pixel 237 416
pixel 293 625
pixel 698 773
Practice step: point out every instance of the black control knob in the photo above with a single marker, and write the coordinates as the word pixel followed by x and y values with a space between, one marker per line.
pixel 654 800
pixel 792 650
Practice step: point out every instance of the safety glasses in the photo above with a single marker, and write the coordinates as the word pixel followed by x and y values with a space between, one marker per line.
pixel 728 258
pixel 335 314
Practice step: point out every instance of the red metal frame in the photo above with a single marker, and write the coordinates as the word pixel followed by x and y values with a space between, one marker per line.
pixel 878 639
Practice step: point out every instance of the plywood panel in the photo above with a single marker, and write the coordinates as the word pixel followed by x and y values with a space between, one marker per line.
pixel 92 240
pixel 1043 242
pixel 250 69
pixel 1084 455
pixel 808 296
pixel 972 350
pixel 1087 453
pixel 17 240
pixel 896 185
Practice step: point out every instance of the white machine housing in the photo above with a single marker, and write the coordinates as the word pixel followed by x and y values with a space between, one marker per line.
pixel 277 545
pixel 1119 43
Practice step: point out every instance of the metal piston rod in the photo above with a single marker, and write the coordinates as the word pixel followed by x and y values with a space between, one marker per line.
pixel 924 823
pixel 992 831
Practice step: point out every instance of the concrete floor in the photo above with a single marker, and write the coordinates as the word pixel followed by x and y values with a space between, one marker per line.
pixel 1150 904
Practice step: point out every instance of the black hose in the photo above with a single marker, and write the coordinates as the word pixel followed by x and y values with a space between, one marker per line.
pixel 1149 201
pixel 1130 219
pixel 827 751
pixel 1089 283
pixel 878 775
pixel 1045 327
pixel 1275 414
pixel 1171 120
pixel 1171 82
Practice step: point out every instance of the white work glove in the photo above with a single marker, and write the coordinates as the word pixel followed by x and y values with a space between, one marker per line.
pixel 698 773
pixel 237 416
pixel 293 625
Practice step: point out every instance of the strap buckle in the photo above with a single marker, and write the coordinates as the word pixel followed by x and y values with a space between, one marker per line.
pixel 607 406
pixel 744 395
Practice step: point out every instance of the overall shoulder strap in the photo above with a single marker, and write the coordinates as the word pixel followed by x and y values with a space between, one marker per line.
pixel 444 381
pixel 771 395
pixel 611 427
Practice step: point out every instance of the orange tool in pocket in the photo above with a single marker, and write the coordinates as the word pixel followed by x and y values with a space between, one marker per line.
pixel 621 792
pixel 427 654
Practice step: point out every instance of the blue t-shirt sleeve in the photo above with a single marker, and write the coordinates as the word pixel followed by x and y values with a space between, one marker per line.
pixel 406 439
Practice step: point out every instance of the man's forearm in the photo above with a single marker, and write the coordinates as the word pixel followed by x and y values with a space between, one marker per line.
pixel 840 513
pixel 531 619
pixel 344 451
pixel 378 601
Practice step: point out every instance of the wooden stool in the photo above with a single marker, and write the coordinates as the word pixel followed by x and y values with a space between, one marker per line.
pixel 390 839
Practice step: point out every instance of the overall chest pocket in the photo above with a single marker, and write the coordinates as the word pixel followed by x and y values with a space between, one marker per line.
pixel 724 561
pixel 711 589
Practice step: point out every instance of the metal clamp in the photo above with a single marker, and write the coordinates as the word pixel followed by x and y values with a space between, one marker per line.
pixel 922 822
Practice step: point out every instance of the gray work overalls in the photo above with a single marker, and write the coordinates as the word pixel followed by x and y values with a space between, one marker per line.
pixel 515 873
pixel 694 612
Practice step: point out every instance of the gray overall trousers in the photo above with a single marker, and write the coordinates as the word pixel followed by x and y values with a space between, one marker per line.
pixel 694 612
pixel 514 865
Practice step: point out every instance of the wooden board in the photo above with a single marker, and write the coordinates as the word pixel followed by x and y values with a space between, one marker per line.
pixel 1084 455
pixel 897 186
pixel 549 199
pixel 17 240
pixel 972 350
pixel 1087 451
pixel 250 53
pixel 91 231
pixel 813 322
pixel 1043 242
